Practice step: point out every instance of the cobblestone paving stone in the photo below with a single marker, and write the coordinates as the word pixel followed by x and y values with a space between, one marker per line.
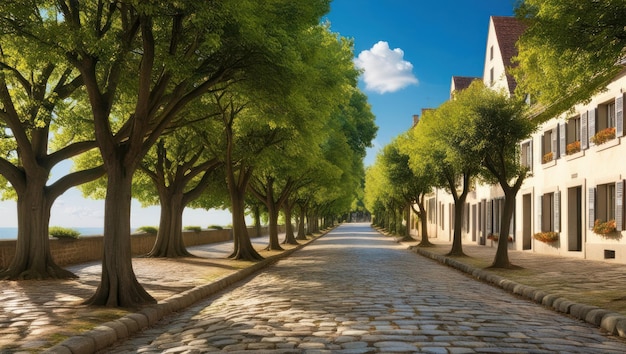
pixel 353 291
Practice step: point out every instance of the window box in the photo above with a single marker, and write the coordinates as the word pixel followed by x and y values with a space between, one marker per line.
pixel 572 148
pixel 603 136
pixel 547 237
pixel 604 228
pixel 495 238
pixel 547 157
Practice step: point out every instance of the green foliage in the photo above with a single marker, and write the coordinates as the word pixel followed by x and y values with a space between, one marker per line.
pixel 63 233
pixel 569 52
pixel 215 227
pixel 152 230
pixel 193 228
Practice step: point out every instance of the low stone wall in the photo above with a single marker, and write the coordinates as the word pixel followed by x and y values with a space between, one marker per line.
pixel 89 248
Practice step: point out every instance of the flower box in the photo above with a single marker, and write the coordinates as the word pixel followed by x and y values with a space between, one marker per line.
pixel 495 238
pixel 548 236
pixel 572 148
pixel 548 157
pixel 603 136
pixel 604 228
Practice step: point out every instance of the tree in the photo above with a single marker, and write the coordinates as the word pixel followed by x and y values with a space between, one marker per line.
pixel 176 52
pixel 441 148
pixel 497 127
pixel 179 177
pixel 37 97
pixel 410 186
pixel 570 51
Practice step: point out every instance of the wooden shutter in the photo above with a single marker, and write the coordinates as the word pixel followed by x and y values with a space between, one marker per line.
pixel 489 223
pixel 591 123
pixel 557 211
pixel 584 137
pixel 619 205
pixel 538 214
pixel 554 142
pixel 530 159
pixel 562 147
pixel 619 116
pixel 591 197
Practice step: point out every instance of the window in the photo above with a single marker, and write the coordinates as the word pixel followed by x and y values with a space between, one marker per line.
pixel 603 128
pixel 606 204
pixel 491 53
pixel 549 146
pixel 527 154
pixel 549 208
pixel 491 77
pixel 572 135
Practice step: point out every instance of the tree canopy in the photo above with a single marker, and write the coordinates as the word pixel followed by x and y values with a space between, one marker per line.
pixel 569 51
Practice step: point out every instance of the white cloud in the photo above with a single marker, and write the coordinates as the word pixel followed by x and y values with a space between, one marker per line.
pixel 385 70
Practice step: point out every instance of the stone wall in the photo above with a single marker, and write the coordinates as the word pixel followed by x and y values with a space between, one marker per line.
pixel 89 248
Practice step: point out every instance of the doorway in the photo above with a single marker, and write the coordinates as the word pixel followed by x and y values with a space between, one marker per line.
pixel 574 219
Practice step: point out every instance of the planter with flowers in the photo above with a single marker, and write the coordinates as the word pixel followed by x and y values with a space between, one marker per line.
pixel 547 237
pixel 495 238
pixel 603 136
pixel 604 228
pixel 547 157
pixel 572 148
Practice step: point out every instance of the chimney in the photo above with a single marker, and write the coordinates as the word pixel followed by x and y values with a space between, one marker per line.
pixel 416 119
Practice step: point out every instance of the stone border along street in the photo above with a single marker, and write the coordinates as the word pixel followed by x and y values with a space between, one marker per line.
pixel 355 291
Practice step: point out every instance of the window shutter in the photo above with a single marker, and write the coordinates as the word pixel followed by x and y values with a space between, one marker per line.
pixel 538 215
pixel 592 207
pixel 591 123
pixel 554 143
pixel 557 211
pixel 619 205
pixel 619 116
pixel 530 158
pixel 489 213
pixel 562 148
pixel 584 136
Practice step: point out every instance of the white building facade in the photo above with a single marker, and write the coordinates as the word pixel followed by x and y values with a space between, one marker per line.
pixel 575 193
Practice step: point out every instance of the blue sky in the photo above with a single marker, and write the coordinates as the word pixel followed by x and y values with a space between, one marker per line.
pixel 409 50
pixel 427 42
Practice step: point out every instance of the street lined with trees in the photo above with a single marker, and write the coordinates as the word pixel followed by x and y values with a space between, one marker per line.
pixel 178 104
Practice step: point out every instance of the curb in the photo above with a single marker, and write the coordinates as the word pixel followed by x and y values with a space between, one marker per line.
pixel 109 333
pixel 612 322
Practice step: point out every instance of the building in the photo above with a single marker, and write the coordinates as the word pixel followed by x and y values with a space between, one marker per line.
pixel 578 163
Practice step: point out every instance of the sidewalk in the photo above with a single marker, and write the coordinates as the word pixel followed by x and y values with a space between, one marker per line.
pixel 48 316
pixel 592 291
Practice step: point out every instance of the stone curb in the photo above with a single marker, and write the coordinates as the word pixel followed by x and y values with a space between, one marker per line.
pixel 110 332
pixel 612 322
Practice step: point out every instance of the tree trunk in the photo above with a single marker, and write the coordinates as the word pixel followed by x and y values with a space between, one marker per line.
pixel 301 224
pixel 406 235
pixel 501 259
pixel 33 259
pixel 459 207
pixel 290 238
pixel 272 211
pixel 243 249
pixel 169 241
pixel 257 221
pixel 118 284
pixel 423 224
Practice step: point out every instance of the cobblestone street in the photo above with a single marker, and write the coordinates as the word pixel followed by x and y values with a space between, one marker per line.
pixel 355 291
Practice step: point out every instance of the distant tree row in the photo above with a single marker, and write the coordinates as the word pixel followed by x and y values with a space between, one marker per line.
pixel 198 103
pixel 473 137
